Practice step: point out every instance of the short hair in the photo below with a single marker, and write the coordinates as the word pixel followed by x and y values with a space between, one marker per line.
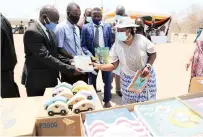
pixel 132 31
pixel 46 9
pixel 96 9
pixel 71 6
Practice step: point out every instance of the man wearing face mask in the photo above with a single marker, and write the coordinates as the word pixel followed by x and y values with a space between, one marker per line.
pixel 68 36
pixel 85 19
pixel 94 35
pixel 42 61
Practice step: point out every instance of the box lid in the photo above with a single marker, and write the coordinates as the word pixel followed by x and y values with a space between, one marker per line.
pixel 18 116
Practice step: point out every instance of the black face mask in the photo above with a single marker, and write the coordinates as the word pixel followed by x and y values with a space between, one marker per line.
pixel 74 19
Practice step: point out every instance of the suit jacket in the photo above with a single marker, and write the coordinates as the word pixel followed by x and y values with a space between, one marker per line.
pixel 87 38
pixel 8 54
pixel 42 61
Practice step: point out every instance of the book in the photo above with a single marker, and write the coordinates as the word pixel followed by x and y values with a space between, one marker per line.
pixel 138 83
pixel 102 55
pixel 83 62
pixel 170 118
pixel 104 123
pixel 196 104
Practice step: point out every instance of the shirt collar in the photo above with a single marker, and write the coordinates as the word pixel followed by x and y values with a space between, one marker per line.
pixel 101 24
pixel 68 22
pixel 42 26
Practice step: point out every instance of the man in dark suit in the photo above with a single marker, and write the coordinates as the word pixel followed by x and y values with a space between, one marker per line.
pixel 42 61
pixel 97 34
pixel 9 88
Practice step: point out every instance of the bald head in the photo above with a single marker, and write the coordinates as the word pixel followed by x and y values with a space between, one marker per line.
pixel 88 12
pixel 120 10
pixel 49 13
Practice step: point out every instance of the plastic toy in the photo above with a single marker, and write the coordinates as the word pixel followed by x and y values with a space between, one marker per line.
pixel 84 105
pixel 54 99
pixel 80 87
pixel 57 108
pixel 66 94
pixel 60 89
pixel 86 93
pixel 64 84
pixel 75 100
pixel 80 82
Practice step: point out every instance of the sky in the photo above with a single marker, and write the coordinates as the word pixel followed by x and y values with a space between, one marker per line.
pixel 13 8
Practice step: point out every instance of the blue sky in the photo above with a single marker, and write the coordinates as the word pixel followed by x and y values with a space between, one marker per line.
pixel 12 9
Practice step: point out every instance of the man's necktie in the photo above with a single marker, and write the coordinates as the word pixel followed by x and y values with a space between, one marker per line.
pixel 75 38
pixel 96 36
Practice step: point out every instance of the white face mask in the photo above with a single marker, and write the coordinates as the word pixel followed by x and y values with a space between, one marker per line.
pixel 89 19
pixel 121 36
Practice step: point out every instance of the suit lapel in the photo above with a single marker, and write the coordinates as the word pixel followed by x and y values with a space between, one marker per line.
pixel 44 34
pixel 92 34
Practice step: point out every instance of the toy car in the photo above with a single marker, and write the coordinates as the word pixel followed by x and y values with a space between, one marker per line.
pixel 86 93
pixel 84 105
pixel 54 99
pixel 79 83
pixel 60 89
pixel 66 94
pixel 75 100
pixel 57 108
pixel 80 87
pixel 64 84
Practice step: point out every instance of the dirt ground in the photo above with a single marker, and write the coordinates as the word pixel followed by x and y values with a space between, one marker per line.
pixel 172 77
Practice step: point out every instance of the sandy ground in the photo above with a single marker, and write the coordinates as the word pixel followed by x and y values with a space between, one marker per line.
pixel 172 78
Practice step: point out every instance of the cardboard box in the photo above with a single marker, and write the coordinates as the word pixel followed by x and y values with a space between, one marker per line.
pixel 69 125
pixel 60 126
pixel 195 85
pixel 18 116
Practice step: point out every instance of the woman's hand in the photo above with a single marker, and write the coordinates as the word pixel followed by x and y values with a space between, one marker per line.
pixel 96 66
pixel 188 65
pixel 145 72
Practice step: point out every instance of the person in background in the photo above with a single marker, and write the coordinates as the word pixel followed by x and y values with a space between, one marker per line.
pixel 85 19
pixel 162 31
pixel 140 30
pixel 42 61
pixel 120 12
pixel 132 52
pixel 198 33
pixel 68 37
pixel 9 88
pixel 197 59
pixel 94 35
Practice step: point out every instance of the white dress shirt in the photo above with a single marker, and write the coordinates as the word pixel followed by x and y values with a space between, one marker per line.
pixel 101 34
pixel 43 28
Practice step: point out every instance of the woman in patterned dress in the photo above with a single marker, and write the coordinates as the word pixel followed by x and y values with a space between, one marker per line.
pixel 197 59
pixel 132 52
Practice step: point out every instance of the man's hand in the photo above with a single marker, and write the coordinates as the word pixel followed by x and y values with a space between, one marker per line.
pixel 145 72
pixel 78 71
pixel 72 62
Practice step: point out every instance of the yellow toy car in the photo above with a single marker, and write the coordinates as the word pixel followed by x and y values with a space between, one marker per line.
pixel 80 87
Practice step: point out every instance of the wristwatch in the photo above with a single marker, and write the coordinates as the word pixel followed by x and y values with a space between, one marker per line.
pixel 148 66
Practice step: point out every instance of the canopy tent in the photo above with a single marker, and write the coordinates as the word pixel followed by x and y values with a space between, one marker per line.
pixel 159 17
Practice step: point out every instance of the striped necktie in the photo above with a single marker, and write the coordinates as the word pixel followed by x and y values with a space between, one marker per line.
pixel 75 37
pixel 96 36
